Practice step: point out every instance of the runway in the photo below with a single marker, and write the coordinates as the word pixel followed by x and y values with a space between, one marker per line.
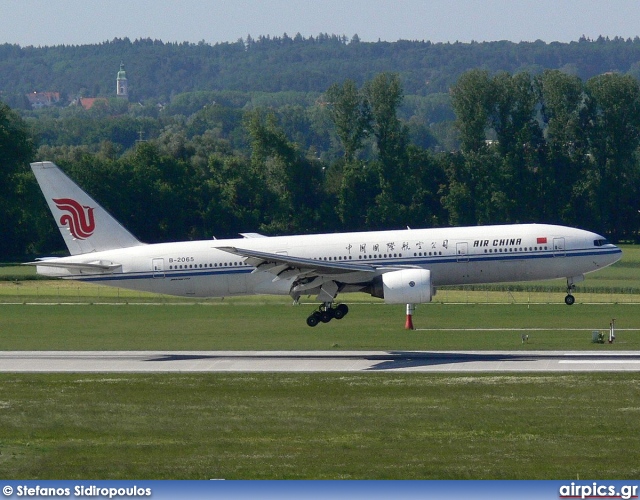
pixel 315 361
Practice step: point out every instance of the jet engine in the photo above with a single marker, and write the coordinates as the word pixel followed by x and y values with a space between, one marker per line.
pixel 407 286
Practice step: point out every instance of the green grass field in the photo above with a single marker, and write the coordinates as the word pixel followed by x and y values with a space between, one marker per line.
pixel 313 426
pixel 242 326
pixel 294 426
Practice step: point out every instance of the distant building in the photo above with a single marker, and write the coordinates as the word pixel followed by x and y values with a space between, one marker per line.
pixel 43 99
pixel 122 90
pixel 88 102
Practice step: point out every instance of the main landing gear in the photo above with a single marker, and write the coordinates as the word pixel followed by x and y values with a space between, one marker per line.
pixel 326 313
pixel 570 299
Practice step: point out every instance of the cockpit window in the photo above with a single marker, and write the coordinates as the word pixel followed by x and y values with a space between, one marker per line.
pixel 600 243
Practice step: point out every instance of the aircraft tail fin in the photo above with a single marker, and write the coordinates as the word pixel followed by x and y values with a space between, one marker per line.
pixel 85 226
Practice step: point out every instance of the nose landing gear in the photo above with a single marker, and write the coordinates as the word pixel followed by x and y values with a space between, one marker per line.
pixel 571 286
pixel 326 312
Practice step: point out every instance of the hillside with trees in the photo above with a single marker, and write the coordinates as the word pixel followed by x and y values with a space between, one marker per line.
pixel 159 70
pixel 545 145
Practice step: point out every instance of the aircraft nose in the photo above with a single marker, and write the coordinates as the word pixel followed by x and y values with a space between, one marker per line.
pixel 618 254
pixel 614 255
pixel 607 252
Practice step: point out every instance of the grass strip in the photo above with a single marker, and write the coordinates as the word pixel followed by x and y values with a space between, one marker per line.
pixel 309 426
pixel 241 326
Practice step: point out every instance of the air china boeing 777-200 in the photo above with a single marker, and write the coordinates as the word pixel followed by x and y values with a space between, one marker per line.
pixel 401 267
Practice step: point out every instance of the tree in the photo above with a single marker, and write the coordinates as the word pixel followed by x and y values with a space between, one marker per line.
pixel 350 115
pixel 384 95
pixel 16 151
pixel 566 115
pixel 614 140
pixel 471 98
pixel 520 144
pixel 293 181
pixel 475 192
pixel 356 198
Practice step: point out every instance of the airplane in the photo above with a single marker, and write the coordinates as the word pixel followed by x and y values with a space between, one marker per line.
pixel 399 266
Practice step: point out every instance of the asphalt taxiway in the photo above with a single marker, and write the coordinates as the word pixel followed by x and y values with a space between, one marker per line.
pixel 317 361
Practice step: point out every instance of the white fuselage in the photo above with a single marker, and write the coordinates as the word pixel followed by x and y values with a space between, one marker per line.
pixel 455 256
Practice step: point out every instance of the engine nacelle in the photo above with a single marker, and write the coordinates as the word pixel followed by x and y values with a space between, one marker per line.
pixel 408 286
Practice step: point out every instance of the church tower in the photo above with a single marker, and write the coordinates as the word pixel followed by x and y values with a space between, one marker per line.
pixel 122 90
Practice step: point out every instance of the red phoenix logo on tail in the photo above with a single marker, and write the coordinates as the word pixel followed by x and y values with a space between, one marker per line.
pixel 79 219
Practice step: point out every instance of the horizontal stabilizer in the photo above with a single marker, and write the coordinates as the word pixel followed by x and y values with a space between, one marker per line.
pixel 253 235
pixel 90 267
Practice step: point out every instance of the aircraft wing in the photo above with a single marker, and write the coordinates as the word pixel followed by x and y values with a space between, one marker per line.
pixel 278 263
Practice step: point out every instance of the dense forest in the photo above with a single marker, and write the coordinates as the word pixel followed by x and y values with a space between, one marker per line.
pixel 374 150
pixel 158 70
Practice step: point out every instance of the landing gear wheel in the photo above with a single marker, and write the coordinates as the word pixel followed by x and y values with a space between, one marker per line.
pixel 571 286
pixel 326 315
pixel 340 311
pixel 313 320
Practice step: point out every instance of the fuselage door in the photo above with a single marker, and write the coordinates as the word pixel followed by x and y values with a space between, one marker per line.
pixel 558 247
pixel 462 251
pixel 158 268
